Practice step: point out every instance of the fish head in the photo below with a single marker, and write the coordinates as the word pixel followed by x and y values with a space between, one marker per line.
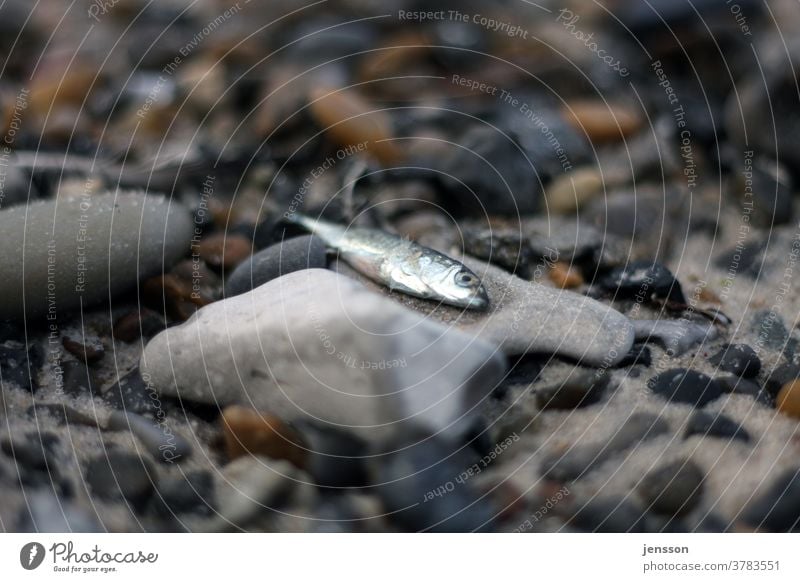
pixel 462 288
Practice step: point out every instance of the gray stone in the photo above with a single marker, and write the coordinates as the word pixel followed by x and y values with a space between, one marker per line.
pixel 85 249
pixel 158 438
pixel 314 344
pixel 526 317
pixel 673 489
pixel 675 336
pixel 305 252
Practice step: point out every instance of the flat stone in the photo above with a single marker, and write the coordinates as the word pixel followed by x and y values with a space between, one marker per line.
pixel 122 475
pixel 157 437
pixel 81 250
pixel 580 388
pixel 526 317
pixel 715 425
pixel 317 345
pixel 686 386
pixel 304 252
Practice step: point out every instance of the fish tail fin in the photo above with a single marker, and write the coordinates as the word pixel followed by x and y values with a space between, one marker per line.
pixel 297 219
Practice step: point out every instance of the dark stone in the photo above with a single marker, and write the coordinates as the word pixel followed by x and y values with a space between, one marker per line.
pixel 79 379
pixel 336 459
pixel 771 194
pixel 142 323
pixel 28 453
pixel 305 252
pixel 580 388
pixel 158 438
pixel 488 173
pixel 709 523
pixel 778 509
pixel 420 492
pixel 46 513
pixel 192 493
pixel 10 331
pixel 509 250
pixel 771 330
pixel 781 375
pixel 610 515
pixel 640 355
pixel 121 475
pixel 736 385
pixel 715 425
pixel 643 279
pixel 673 489
pixel 685 386
pixel 739 359
pixel 580 460
pixel 88 351
pixel 63 414
pixel 132 394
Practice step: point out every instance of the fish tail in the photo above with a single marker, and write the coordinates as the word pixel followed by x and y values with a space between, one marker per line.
pixel 297 219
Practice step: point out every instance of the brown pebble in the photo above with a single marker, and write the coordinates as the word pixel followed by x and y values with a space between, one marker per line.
pixel 706 295
pixel 249 432
pixel 222 251
pixel 173 295
pixel 570 191
pixel 788 400
pixel 602 122
pixel 87 350
pixel 137 324
pixel 565 276
pixel 353 123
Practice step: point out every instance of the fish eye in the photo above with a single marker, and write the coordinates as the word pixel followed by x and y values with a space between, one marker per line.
pixel 465 279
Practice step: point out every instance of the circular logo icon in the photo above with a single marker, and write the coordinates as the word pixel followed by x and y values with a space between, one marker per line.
pixel 31 555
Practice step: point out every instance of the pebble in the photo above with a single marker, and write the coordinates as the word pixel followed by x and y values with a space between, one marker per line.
pixel 158 229
pixel 335 458
pixel 685 386
pixel 781 376
pixel 565 276
pixel 508 249
pixel 248 432
pixel 419 490
pixel 46 513
pixel 580 460
pixel 673 489
pixel 580 388
pixel 602 122
pixel 313 344
pixel 715 425
pixel 610 515
pixel 643 279
pixel 121 475
pixel 738 359
pixel 737 385
pixel 31 453
pixel 142 323
pixel 224 251
pixel 192 493
pixel 788 399
pixel 350 121
pixel 640 355
pixel 304 252
pixel 488 174
pixel 778 508
pixel 88 350
pixel 79 379
pixel 676 336
pixel 132 394
pixel 568 192
pixel 158 438
pixel 172 295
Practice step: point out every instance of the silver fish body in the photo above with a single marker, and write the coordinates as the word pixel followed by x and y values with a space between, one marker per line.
pixel 401 264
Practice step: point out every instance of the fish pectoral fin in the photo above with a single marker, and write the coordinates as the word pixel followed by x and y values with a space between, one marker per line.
pixel 402 280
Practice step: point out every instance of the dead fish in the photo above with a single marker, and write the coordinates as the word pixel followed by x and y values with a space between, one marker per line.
pixel 400 264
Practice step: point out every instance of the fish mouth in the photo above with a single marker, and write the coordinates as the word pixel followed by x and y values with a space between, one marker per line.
pixel 479 301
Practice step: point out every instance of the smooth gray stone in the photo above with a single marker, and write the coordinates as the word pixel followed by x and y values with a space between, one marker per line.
pixel 526 317
pixel 317 345
pixel 85 249
pixel 675 336
pixel 159 439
